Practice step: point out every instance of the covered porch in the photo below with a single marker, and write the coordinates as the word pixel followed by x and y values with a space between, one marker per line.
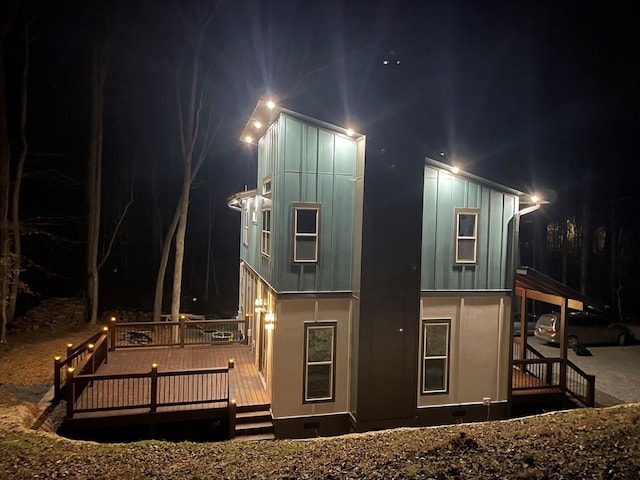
pixel 535 377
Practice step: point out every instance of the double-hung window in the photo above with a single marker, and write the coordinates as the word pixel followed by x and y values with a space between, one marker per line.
pixel 245 224
pixel 435 356
pixel 319 368
pixel 306 228
pixel 265 238
pixel 466 236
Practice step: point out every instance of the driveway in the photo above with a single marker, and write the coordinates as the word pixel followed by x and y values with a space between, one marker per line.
pixel 616 369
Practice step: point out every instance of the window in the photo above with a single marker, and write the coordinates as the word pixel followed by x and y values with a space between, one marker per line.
pixel 266 186
pixel 435 356
pixel 319 369
pixel 254 212
pixel 265 239
pixel 245 224
pixel 306 223
pixel 466 236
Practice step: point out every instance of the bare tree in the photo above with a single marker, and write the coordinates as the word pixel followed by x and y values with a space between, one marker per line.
pixel 197 132
pixel 6 21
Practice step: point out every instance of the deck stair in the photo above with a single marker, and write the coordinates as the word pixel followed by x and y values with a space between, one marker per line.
pixel 254 423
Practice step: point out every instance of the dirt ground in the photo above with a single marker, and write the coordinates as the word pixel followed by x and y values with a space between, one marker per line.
pixel 574 444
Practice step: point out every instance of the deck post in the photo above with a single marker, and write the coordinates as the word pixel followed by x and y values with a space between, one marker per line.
pixel 56 377
pixel 112 331
pixel 232 419
pixel 591 390
pixel 71 394
pixel 153 404
pixel 183 329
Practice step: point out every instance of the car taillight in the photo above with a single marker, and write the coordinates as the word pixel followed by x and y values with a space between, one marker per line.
pixel 551 331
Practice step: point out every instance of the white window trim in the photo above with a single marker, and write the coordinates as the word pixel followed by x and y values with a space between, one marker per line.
pixel 265 236
pixel 296 234
pixel 476 213
pixel 424 357
pixel 314 326
pixel 267 181
pixel 245 224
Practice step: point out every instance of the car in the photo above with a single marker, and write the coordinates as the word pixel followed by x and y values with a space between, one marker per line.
pixel 583 328
pixel 531 324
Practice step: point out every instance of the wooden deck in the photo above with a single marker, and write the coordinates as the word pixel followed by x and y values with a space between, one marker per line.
pixel 246 385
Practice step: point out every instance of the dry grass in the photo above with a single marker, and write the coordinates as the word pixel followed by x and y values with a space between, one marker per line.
pixel 28 358
pixel 576 444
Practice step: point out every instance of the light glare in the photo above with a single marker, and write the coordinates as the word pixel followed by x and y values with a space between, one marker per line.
pixel 349 132
pixel 248 139
pixel 257 124
pixel 270 105
pixel 455 170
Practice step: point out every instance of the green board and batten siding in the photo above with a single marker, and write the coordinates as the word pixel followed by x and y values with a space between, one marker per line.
pixel 443 193
pixel 307 164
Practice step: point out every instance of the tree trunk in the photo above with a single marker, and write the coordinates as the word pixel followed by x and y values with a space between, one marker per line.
pixel 14 286
pixel 5 172
pixel 94 177
pixel 164 261
pixel 584 245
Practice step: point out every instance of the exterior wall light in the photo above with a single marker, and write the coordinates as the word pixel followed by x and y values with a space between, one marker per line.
pixel 455 170
pixel 257 124
pixel 248 139
pixel 269 321
pixel 349 132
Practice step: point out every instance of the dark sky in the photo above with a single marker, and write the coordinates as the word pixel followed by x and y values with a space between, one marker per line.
pixel 531 94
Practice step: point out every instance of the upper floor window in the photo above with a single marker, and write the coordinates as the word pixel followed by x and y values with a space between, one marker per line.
pixel 266 186
pixel 306 227
pixel 245 224
pixel 435 356
pixel 319 367
pixel 265 239
pixel 466 235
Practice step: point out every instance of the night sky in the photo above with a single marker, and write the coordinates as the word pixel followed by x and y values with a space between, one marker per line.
pixel 536 95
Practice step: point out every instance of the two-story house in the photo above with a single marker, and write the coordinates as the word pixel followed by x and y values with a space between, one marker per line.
pixel 377 296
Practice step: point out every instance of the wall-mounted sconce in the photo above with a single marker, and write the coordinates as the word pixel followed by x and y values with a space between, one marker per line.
pixel 269 320
pixel 259 305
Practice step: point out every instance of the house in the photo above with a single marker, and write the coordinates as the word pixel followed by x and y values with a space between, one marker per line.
pixel 375 297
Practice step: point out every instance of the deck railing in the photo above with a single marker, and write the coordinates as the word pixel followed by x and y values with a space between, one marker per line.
pixel 541 372
pixel 149 390
pixel 83 358
pixel 184 332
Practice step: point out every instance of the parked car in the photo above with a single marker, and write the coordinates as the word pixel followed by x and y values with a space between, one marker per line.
pixel 582 329
pixel 531 324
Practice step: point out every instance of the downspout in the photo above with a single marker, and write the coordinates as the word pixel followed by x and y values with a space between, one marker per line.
pixel 515 263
